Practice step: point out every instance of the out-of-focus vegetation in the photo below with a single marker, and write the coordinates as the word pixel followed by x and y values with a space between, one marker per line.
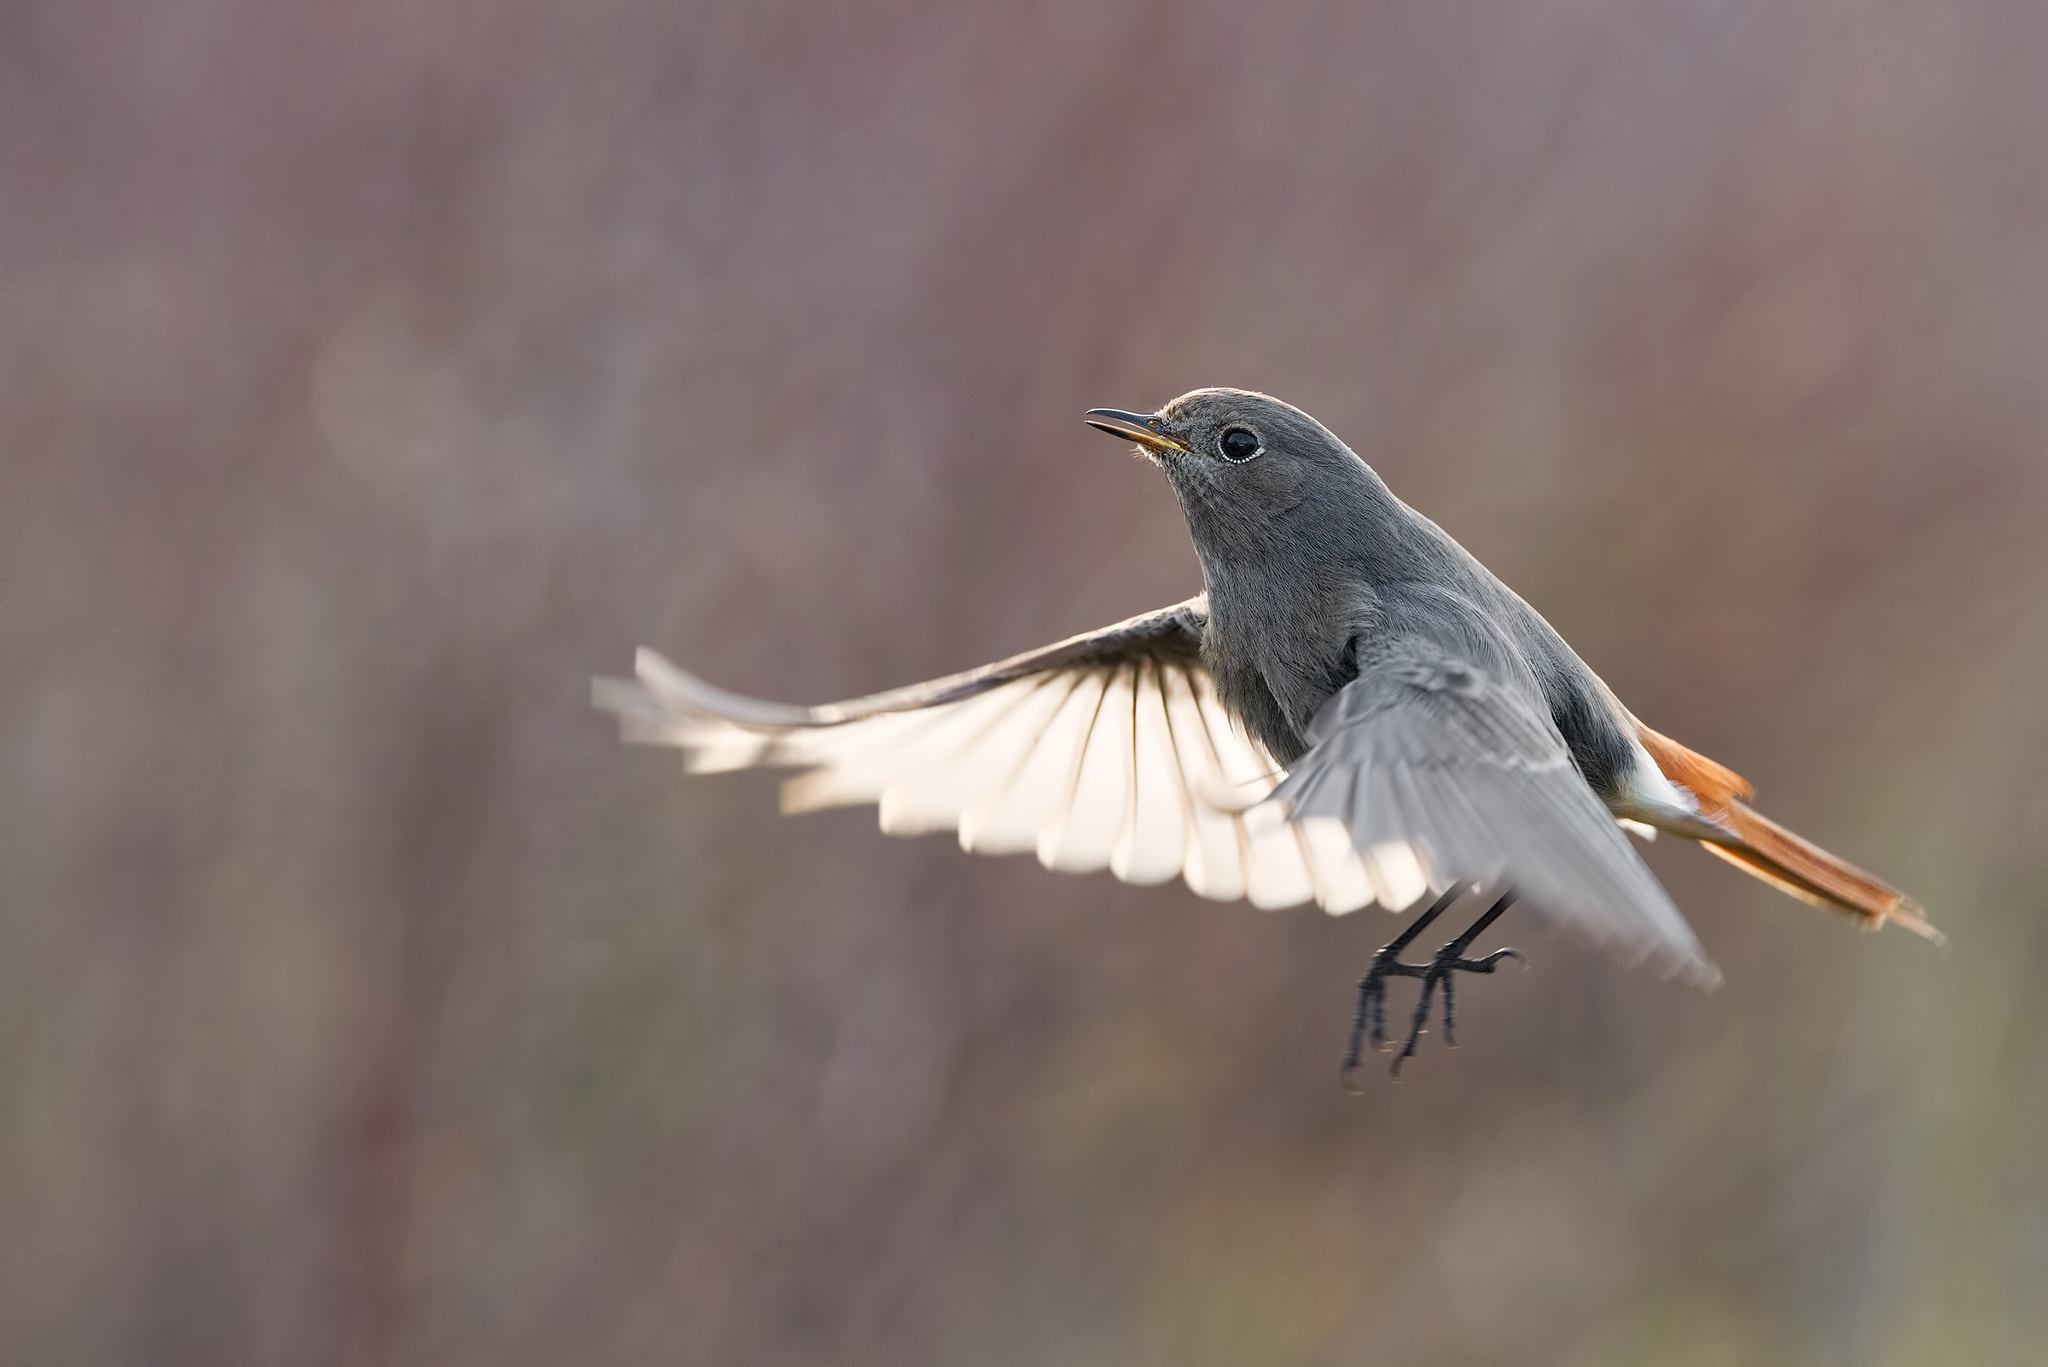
pixel 376 372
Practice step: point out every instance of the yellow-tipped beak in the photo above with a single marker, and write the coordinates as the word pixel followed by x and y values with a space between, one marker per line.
pixel 1142 428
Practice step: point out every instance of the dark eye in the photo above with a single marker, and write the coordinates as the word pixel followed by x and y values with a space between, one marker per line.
pixel 1238 444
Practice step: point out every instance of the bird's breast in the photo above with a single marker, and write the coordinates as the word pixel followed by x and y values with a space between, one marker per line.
pixel 1277 657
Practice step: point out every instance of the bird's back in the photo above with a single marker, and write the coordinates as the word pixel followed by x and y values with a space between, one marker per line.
pixel 1363 568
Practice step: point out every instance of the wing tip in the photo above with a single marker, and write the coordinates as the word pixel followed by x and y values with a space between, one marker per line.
pixel 642 717
pixel 620 697
pixel 1698 970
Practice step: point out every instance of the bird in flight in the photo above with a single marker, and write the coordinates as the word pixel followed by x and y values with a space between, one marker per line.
pixel 1355 710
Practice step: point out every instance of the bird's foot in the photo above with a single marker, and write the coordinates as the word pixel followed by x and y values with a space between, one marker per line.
pixel 1371 1017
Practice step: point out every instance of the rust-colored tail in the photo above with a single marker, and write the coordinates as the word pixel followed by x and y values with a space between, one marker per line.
pixel 1762 847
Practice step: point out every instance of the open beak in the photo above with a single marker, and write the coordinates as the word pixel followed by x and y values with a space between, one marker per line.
pixel 1142 428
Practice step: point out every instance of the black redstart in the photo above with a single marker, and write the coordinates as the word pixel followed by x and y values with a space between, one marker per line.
pixel 1355 710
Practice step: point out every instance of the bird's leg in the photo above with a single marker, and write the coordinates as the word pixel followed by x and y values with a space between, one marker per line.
pixel 1372 988
pixel 1370 1017
pixel 1451 960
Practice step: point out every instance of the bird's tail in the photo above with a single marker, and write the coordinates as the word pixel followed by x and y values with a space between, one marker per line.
pixel 1789 862
pixel 1794 864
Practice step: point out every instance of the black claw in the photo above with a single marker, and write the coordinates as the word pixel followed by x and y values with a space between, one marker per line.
pixel 1371 1015
pixel 1485 965
pixel 1370 1019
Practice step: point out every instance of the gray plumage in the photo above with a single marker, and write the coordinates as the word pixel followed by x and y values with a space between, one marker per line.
pixel 1355 710
pixel 1414 695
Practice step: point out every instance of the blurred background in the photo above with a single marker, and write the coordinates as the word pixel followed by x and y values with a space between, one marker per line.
pixel 371 375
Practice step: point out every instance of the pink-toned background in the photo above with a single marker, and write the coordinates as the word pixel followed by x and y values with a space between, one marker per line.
pixel 372 374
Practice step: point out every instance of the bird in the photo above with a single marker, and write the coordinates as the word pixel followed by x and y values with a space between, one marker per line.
pixel 1354 710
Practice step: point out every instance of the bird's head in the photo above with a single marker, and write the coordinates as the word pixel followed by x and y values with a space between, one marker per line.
pixel 1241 462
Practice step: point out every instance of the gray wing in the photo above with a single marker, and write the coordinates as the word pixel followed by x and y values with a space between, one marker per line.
pixel 1108 750
pixel 1427 749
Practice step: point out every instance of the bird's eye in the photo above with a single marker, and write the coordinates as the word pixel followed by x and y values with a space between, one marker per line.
pixel 1238 444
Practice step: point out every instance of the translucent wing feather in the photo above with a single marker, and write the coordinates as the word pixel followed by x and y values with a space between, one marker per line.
pixel 1425 753
pixel 1108 750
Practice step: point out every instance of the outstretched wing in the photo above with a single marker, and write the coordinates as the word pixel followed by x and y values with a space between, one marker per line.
pixel 1426 749
pixel 1108 750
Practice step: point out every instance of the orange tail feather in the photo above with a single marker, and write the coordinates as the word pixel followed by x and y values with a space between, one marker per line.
pixel 1789 862
pixel 1796 865
pixel 1712 783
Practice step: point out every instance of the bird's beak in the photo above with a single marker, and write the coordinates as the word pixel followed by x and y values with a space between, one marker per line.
pixel 1142 428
